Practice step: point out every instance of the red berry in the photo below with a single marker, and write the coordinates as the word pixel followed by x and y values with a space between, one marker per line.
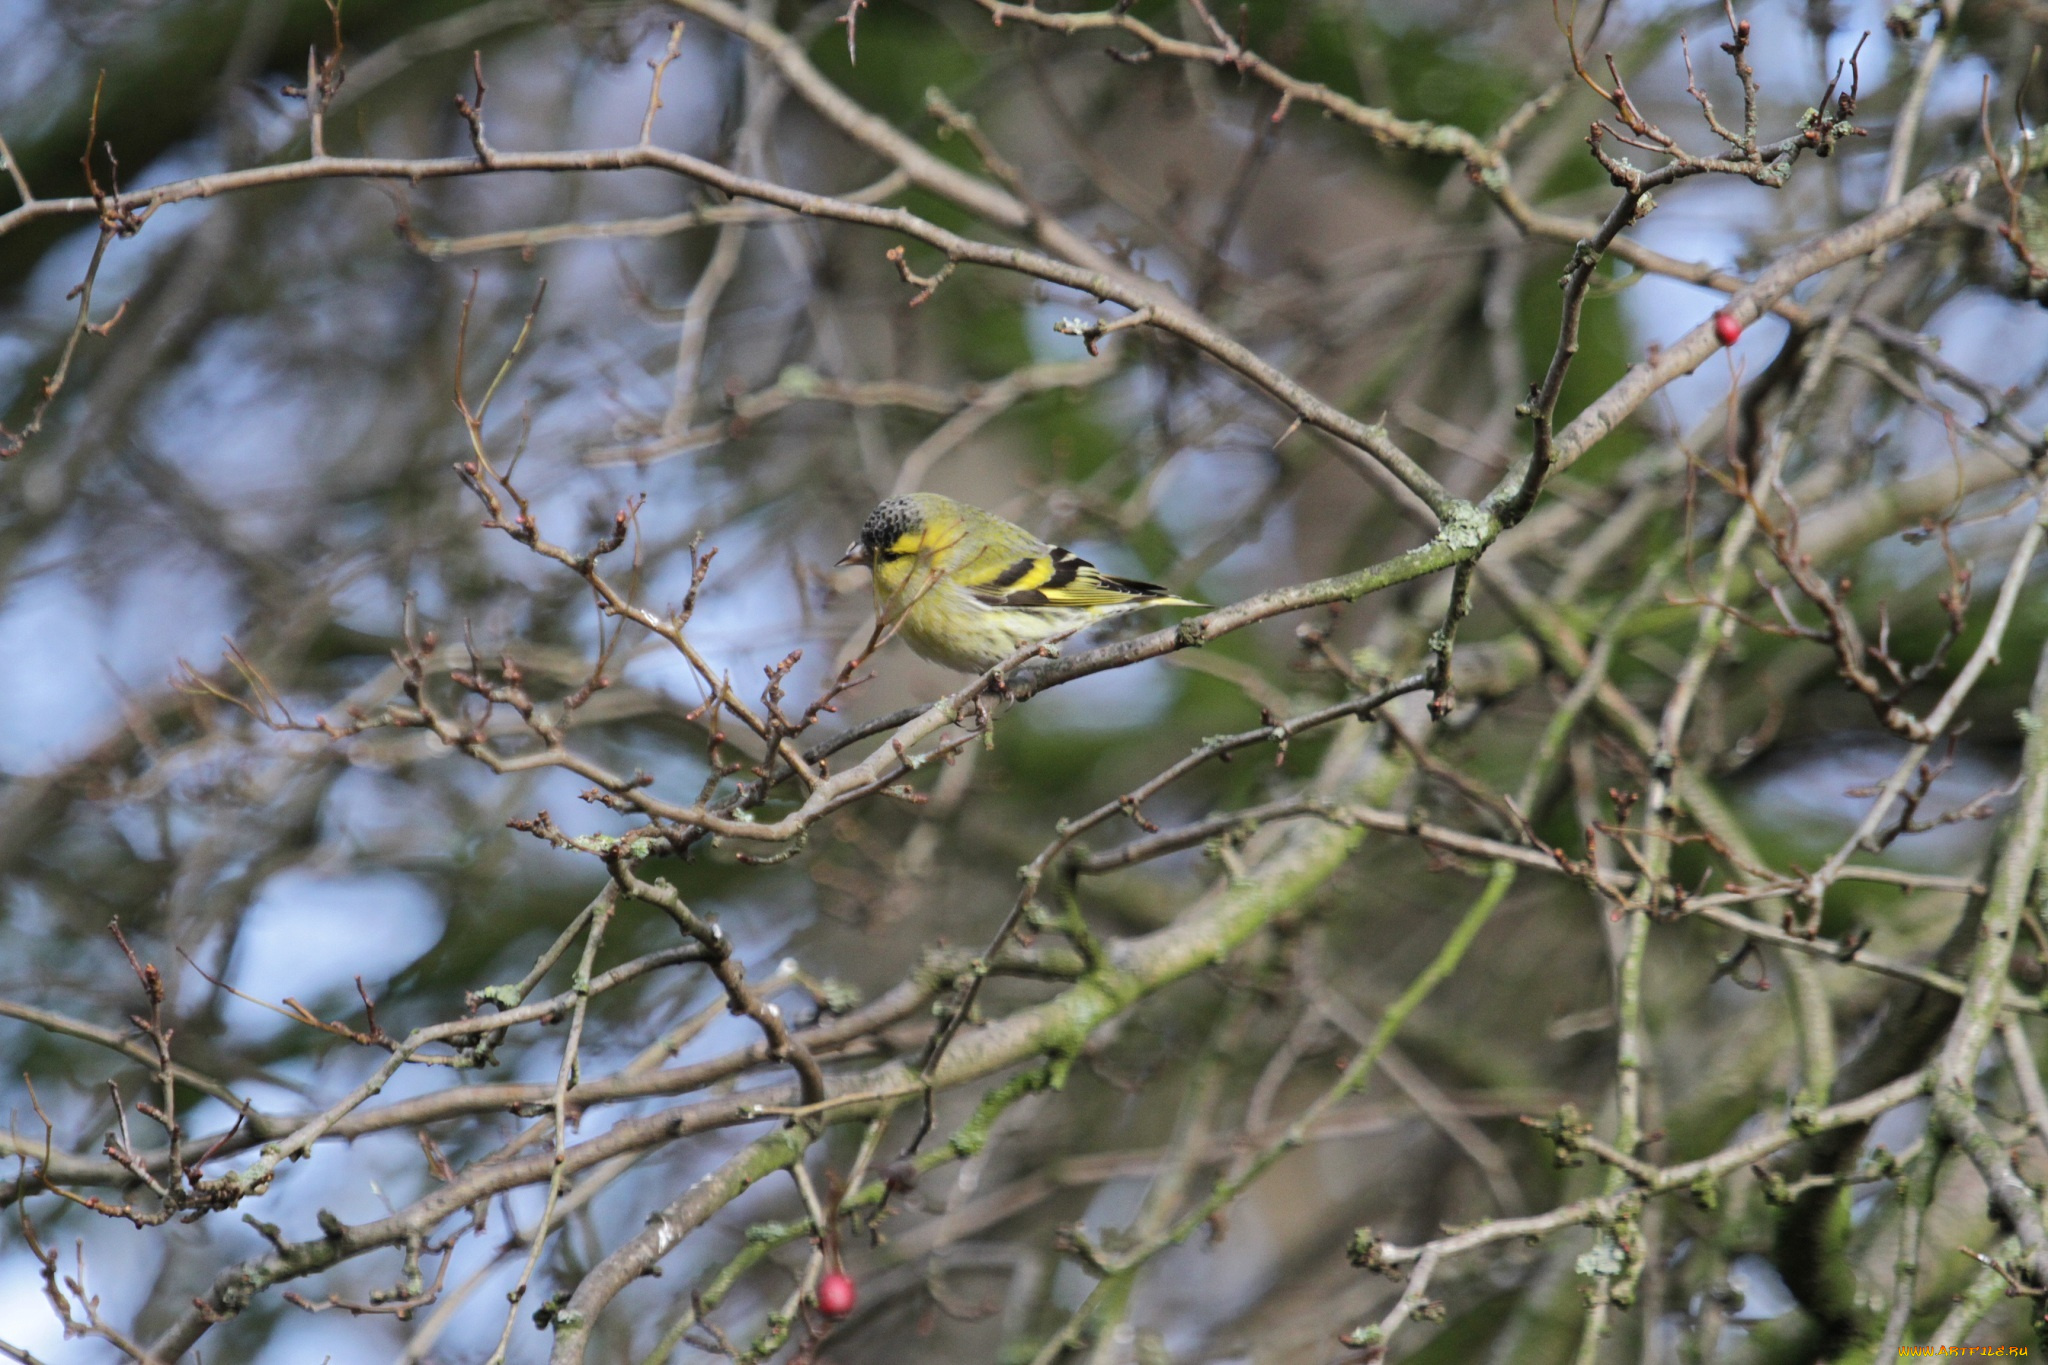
pixel 1726 328
pixel 836 1295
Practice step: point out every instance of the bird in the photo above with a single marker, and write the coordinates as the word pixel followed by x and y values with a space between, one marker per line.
pixel 967 589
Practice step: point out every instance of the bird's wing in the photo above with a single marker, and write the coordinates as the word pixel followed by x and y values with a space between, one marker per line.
pixel 1055 577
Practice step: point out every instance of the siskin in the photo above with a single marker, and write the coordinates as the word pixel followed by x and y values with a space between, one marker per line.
pixel 968 589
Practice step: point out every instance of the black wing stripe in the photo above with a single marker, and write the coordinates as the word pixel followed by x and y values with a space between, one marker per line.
pixel 1066 567
pixel 1009 575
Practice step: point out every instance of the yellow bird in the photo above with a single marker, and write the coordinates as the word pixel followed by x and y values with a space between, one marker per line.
pixel 967 589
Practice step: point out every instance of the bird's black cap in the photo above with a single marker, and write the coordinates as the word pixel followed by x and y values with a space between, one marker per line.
pixel 891 519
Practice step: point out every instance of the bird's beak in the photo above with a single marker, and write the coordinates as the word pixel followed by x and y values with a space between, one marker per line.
pixel 856 553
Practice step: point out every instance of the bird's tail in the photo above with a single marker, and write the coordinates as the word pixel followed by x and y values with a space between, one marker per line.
pixel 1152 593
